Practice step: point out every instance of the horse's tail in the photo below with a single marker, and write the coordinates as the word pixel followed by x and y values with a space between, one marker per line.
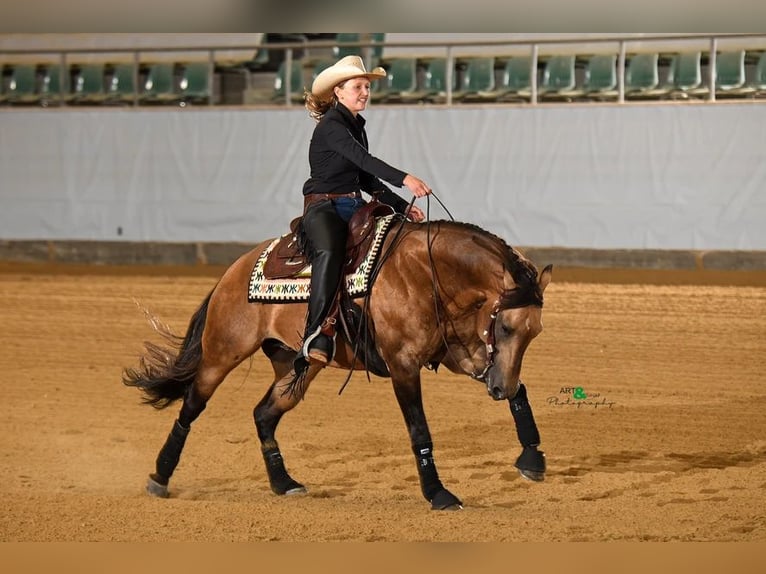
pixel 165 373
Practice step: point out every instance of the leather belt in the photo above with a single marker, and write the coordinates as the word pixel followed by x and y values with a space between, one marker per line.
pixel 310 198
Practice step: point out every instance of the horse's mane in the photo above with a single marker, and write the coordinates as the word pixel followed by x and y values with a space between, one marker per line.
pixel 522 270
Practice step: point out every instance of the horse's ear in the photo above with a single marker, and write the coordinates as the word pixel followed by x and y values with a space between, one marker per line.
pixel 545 277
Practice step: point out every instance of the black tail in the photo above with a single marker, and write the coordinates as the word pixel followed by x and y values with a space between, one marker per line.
pixel 165 373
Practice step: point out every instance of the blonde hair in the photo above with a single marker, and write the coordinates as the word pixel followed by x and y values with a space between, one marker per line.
pixel 318 107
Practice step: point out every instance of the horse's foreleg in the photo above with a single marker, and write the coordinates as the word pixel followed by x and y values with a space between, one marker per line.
pixel 267 414
pixel 410 399
pixel 531 461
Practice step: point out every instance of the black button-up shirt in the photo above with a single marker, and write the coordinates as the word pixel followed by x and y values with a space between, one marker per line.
pixel 341 163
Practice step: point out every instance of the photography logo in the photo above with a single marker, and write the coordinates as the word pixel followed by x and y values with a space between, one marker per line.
pixel 577 398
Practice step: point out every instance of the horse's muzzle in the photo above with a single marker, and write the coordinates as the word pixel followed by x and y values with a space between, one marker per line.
pixel 498 391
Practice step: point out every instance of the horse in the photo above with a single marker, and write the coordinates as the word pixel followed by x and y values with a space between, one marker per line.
pixel 445 293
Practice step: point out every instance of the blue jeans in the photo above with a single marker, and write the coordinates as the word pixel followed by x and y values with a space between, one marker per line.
pixel 345 207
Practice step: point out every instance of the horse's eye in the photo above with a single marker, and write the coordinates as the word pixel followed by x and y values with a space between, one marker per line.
pixel 506 329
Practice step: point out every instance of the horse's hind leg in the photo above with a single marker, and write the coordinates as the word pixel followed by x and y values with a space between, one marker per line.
pixel 194 402
pixel 268 412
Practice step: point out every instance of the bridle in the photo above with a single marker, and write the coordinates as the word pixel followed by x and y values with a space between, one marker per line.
pixel 489 332
pixel 501 304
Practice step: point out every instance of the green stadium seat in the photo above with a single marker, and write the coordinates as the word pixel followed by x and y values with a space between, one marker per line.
pixel 516 80
pixel 89 85
pixel 759 78
pixel 642 78
pixel 341 50
pixel 22 85
pixel 196 83
pixel 435 80
pixel 685 76
pixel 601 77
pixel 377 51
pixel 56 85
pixel 160 85
pixel 297 85
pixel 559 81
pixel 478 83
pixel 122 84
pixel 400 84
pixel 731 80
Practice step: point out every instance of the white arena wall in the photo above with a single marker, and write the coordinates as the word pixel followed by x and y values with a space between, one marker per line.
pixel 655 176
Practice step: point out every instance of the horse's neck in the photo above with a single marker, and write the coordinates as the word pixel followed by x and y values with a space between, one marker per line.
pixel 462 254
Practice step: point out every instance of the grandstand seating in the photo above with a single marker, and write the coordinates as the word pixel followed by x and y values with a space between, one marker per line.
pixel 563 76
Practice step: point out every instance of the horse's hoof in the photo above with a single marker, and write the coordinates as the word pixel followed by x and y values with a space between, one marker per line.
pixel 531 464
pixel 288 487
pixel 154 488
pixel 532 475
pixel 300 489
pixel 445 500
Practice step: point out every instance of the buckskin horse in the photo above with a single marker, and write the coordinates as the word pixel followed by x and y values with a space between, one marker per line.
pixel 444 293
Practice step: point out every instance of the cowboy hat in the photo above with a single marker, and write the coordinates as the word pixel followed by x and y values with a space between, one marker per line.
pixel 342 70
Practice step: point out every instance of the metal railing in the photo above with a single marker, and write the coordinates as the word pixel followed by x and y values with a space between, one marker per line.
pixel 621 45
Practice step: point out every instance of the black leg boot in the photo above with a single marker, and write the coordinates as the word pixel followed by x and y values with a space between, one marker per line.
pixel 326 236
pixel 319 338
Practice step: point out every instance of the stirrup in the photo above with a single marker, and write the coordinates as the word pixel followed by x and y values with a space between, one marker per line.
pixel 319 347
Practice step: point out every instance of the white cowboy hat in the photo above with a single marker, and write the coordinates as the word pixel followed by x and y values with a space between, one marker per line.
pixel 342 70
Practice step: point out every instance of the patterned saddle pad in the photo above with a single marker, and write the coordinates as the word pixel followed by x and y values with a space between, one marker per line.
pixel 293 290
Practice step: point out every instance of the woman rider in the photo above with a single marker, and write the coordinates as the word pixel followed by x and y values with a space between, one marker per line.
pixel 341 168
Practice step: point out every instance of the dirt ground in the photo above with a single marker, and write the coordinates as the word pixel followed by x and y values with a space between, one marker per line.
pixel 669 443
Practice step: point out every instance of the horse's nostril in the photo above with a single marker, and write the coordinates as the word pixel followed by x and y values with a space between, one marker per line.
pixel 497 393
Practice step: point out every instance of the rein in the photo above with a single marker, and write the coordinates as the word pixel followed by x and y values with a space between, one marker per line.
pixel 489 331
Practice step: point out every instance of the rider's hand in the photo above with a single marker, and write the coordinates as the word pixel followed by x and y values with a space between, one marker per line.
pixel 416 214
pixel 417 186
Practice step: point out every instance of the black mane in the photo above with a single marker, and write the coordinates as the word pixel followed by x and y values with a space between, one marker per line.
pixel 523 271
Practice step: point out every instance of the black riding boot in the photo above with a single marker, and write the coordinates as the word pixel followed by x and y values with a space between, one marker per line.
pixel 319 337
pixel 325 234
